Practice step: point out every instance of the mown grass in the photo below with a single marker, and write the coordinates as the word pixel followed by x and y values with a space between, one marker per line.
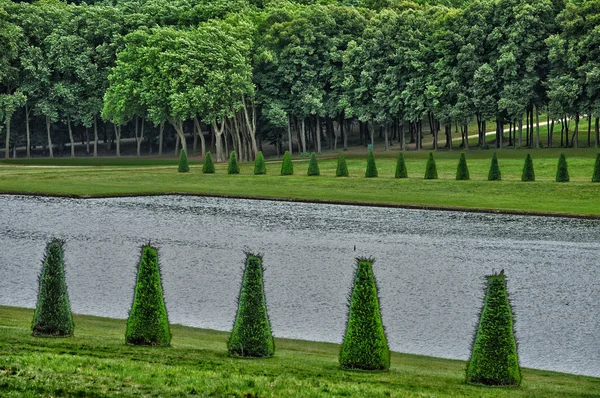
pixel 578 197
pixel 97 363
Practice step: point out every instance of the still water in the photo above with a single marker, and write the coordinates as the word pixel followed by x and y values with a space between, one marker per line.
pixel 430 267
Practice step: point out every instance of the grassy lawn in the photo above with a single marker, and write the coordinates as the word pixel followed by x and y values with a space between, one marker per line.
pixel 97 363
pixel 148 176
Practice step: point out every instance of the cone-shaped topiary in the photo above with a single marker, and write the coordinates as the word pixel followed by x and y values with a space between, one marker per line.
pixel 148 323
pixel 371 166
pixel 431 169
pixel 494 360
pixel 342 167
pixel 52 317
pixel 596 176
pixel 313 166
pixel 528 174
pixel 233 167
pixel 562 172
pixel 494 174
pixel 183 163
pixel 365 344
pixel 287 168
pixel 208 167
pixel 259 164
pixel 462 172
pixel 251 335
pixel 401 171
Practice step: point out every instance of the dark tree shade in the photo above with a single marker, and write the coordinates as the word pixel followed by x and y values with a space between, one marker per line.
pixel 365 344
pixel 431 169
pixel 183 163
pixel 528 173
pixel 494 360
pixel 562 172
pixel 596 176
pixel 259 164
pixel 251 335
pixel 462 172
pixel 371 166
pixel 494 174
pixel 52 317
pixel 287 168
pixel 233 167
pixel 401 171
pixel 313 166
pixel 148 323
pixel 209 166
pixel 342 167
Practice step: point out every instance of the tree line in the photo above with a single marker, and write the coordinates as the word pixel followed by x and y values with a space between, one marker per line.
pixel 301 76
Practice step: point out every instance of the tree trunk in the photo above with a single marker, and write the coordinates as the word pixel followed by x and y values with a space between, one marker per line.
pixel 87 140
pixel 402 136
pixel 318 134
pixel 566 124
pixel 139 142
pixel 589 130
pixel 71 136
pixel 48 128
pixel 551 134
pixel 178 125
pixel 161 129
pixel 118 138
pixel 303 135
pixel 386 132
pixel 344 130
pixel 537 128
pixel 597 126
pixel 95 137
pixel 201 135
pixel 289 130
pixel 520 131
pixel 371 128
pixel 575 138
pixel 28 132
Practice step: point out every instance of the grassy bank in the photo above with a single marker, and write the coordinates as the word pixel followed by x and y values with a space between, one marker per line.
pixel 96 362
pixel 127 177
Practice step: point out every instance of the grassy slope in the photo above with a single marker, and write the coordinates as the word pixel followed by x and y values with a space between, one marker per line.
pixel 96 362
pixel 577 197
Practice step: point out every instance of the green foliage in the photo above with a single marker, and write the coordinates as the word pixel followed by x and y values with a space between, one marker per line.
pixel 183 163
pixel 494 360
pixel 462 172
pixel 371 166
pixel 148 323
pixel 342 167
pixel 259 164
pixel 365 343
pixel 209 166
pixel 287 168
pixel 596 176
pixel 431 169
pixel 313 166
pixel 562 172
pixel 233 167
pixel 52 315
pixel 251 335
pixel 401 171
pixel 494 174
pixel 528 173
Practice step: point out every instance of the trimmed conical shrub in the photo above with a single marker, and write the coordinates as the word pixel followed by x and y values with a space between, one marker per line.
pixel 52 316
pixel 462 172
pixel 342 167
pixel 148 323
pixel 208 167
pixel 401 171
pixel 313 166
pixel 494 174
pixel 183 163
pixel 562 172
pixel 371 166
pixel 528 173
pixel 431 169
pixel 287 168
pixel 251 335
pixel 494 360
pixel 233 167
pixel 365 344
pixel 596 176
pixel 259 164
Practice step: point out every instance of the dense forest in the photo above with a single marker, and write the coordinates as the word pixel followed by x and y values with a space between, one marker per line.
pixel 224 75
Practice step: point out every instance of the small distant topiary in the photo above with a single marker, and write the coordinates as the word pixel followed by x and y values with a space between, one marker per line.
pixel 431 169
pixel 365 344
pixel 287 168
pixel 52 317
pixel 251 335
pixel 233 167
pixel 371 166
pixel 596 176
pixel 148 323
pixel 528 173
pixel 494 174
pixel 183 163
pixel 562 172
pixel 401 171
pixel 209 166
pixel 342 167
pixel 313 166
pixel 494 359
pixel 462 172
pixel 259 165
